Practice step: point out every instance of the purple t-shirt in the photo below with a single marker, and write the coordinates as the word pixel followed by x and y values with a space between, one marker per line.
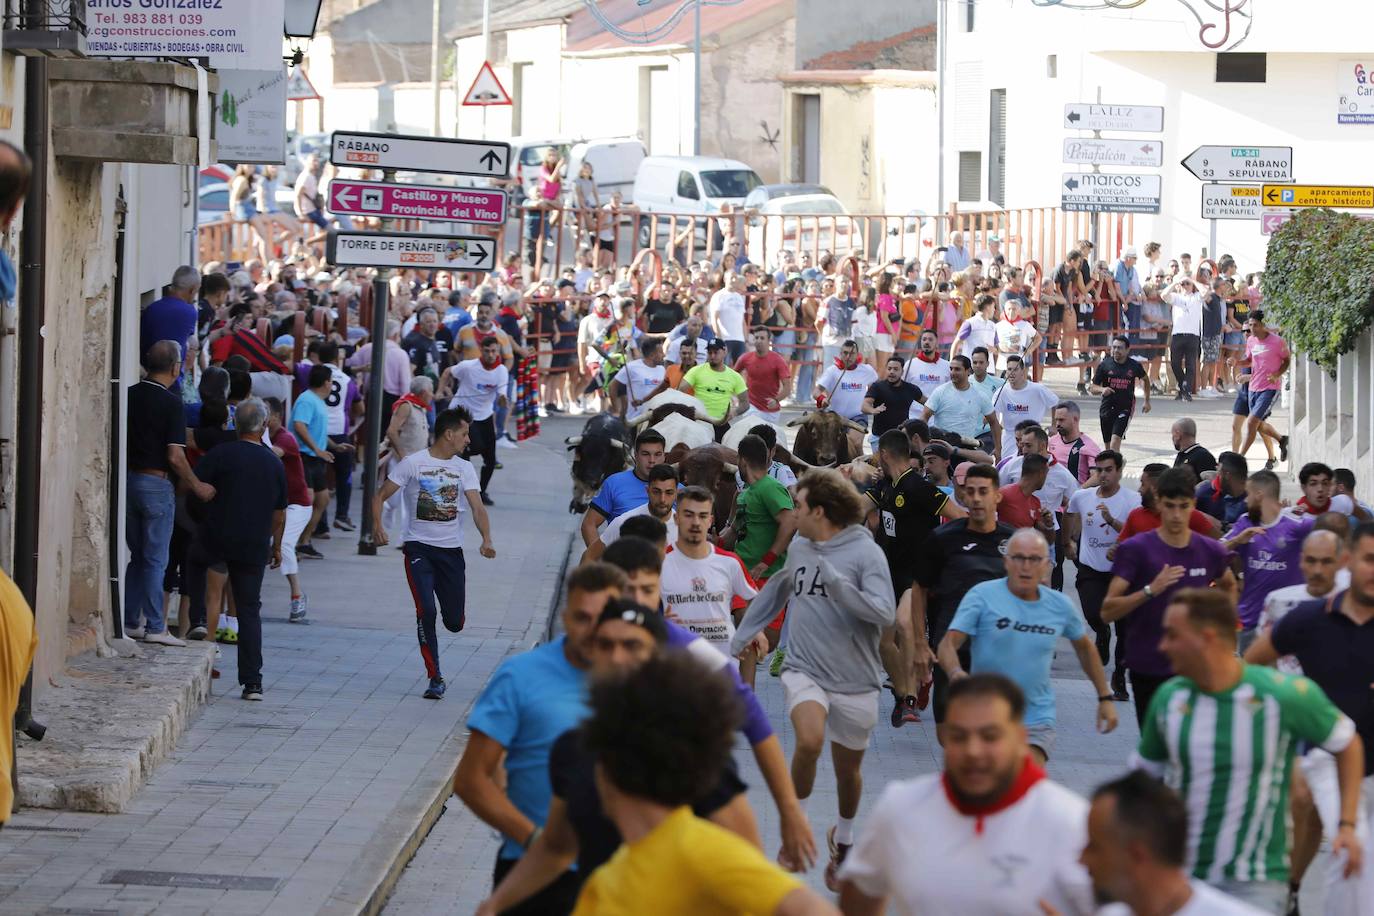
pixel 1138 560
pixel 755 727
pixel 1271 560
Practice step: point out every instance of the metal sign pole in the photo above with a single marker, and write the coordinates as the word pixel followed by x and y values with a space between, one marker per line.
pixel 377 424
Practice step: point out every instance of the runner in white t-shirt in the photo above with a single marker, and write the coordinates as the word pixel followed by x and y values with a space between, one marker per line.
pixel 1020 399
pixel 479 385
pixel 979 330
pixel 842 387
pixel 991 835
pixel 639 378
pixel 927 370
pixel 1015 335
pixel 700 582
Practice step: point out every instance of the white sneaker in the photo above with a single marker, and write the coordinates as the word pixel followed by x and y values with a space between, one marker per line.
pixel 1208 393
pixel 163 639
pixel 506 442
pixel 135 632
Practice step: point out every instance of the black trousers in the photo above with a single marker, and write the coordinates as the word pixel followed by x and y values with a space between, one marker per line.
pixel 482 441
pixel 1092 590
pixel 1143 689
pixel 245 581
pixel 1184 350
pixel 557 899
pixel 940 687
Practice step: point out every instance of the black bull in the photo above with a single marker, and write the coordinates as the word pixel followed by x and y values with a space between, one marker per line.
pixel 602 449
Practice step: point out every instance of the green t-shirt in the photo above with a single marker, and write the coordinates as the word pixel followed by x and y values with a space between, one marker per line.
pixel 1230 756
pixel 715 389
pixel 756 521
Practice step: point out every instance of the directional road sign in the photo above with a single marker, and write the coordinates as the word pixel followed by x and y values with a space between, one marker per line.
pixel 416 201
pixel 403 249
pixel 1318 195
pixel 1146 154
pixel 1228 201
pixel 1098 192
pixel 1271 220
pixel 1148 118
pixel 1241 163
pixel 420 154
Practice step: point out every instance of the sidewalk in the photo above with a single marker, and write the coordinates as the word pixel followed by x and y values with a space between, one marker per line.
pixel 309 801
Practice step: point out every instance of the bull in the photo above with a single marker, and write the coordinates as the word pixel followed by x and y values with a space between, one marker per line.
pixel 680 418
pixel 824 439
pixel 712 466
pixel 602 449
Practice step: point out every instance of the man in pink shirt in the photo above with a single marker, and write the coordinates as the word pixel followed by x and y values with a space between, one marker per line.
pixel 767 375
pixel 1071 447
pixel 1267 356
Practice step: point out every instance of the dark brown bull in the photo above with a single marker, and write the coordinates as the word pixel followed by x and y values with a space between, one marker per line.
pixel 713 467
pixel 824 439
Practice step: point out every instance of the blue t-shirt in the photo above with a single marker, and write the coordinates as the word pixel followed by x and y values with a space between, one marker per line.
pixel 310 409
pixel 168 318
pixel 620 493
pixel 1017 638
pixel 531 699
pixel 455 319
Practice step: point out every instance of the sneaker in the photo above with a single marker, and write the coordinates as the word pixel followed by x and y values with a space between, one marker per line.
pixel 1188 397
pixel 164 639
pixel 344 523
pixel 321 533
pixel 1178 395
pixel 308 551
pixel 226 635
pixel 198 633
pixel 436 688
pixel 909 713
pixel 297 610
pixel 135 632
pixel 897 718
pixel 1283 448
pixel 487 500
pixel 923 695
pixel 542 413
pixel 775 667
pixel 1208 393
pixel 837 853
pixel 1290 908
pixel 1119 686
pixel 506 442
pixel 1270 464
pixel 1082 389
pixel 252 692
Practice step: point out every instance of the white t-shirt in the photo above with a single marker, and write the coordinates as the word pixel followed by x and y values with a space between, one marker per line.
pixel 1033 402
pixel 1059 486
pixel 672 353
pixel 1280 601
pixel 925 856
pixel 728 308
pixel 479 387
pixel 926 376
pixel 777 470
pixel 639 379
pixel 699 592
pixel 1014 336
pixel 1187 313
pixel 612 530
pixel 977 332
pixel 847 388
pixel 1097 535
pixel 336 402
pixel 1206 901
pixel 434 491
pixel 591 330
pixel 307 186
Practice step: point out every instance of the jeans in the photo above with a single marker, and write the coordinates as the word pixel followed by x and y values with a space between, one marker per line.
pixel 437 577
pixel 1184 350
pixel 343 477
pixel 1133 311
pixel 806 373
pixel 148 525
pixel 245 581
pixel 735 349
pixel 503 412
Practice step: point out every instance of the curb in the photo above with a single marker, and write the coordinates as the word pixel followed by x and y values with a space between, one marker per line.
pixel 423 812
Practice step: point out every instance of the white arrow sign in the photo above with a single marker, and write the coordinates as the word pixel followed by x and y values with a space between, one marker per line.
pixel 1099 192
pixel 1145 154
pixel 1271 164
pixel 402 249
pixel 420 154
pixel 1148 118
pixel 1226 201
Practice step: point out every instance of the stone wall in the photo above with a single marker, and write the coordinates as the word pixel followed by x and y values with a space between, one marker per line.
pixel 742 100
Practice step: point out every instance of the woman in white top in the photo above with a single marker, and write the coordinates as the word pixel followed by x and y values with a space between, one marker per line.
pixel 265 196
pixel 587 200
pixel 979 330
pixel 242 210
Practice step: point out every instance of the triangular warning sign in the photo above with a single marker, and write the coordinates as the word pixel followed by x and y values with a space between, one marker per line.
pixel 299 87
pixel 487 89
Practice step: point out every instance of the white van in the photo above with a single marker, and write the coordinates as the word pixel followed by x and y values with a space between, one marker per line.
pixel 689 185
pixel 615 163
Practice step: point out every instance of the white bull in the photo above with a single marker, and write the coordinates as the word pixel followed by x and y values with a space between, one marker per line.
pixel 740 426
pixel 677 429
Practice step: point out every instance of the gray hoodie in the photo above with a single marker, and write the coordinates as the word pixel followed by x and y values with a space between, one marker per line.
pixel 839 600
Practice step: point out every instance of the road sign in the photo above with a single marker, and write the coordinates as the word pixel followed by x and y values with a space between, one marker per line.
pixel 1319 195
pixel 298 86
pixel 1146 154
pixel 417 201
pixel 403 249
pixel 420 154
pixel 1148 118
pixel 1228 201
pixel 1241 163
pixel 1098 192
pixel 486 89
pixel 1271 220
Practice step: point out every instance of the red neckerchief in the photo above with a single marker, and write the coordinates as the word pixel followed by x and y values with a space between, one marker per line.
pixel 409 399
pixel 507 311
pixel 839 364
pixel 1302 501
pixel 1216 487
pixel 932 359
pixel 1030 774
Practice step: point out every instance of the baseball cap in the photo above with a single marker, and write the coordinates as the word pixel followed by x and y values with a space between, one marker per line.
pixel 635 615
pixel 962 471
pixel 937 450
pixel 323 276
pixel 716 344
pixel 994 237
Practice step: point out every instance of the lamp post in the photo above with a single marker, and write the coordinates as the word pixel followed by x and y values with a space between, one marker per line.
pixel 301 17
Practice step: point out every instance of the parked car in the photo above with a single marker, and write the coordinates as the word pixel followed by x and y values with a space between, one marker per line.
pixel 526 158
pixel 689 185
pixel 214 202
pixel 615 163
pixel 298 150
pixel 803 222
pixel 766 192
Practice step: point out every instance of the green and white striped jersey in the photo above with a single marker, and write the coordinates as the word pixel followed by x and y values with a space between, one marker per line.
pixel 1229 756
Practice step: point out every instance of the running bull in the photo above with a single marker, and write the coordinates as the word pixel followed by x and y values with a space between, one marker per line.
pixel 602 449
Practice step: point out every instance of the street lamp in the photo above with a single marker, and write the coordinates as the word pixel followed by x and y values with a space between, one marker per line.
pixel 301 18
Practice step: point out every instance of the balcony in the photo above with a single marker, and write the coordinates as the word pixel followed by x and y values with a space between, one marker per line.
pixel 55 28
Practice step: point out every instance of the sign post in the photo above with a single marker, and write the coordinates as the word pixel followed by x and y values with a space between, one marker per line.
pixel 1147 154
pixel 1337 197
pixel 420 154
pixel 1225 201
pixel 416 250
pixel 1099 192
pixel 1085 116
pixel 1241 163
pixel 416 201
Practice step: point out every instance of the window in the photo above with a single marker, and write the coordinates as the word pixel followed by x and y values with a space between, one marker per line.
pixel 687 186
pixel 1052 66
pixel 970 176
pixel 1242 67
pixel 731 183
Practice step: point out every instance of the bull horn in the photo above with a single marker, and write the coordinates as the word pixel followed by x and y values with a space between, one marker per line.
pixel 618 444
pixel 800 420
pixel 854 426
pixel 643 418
pixel 731 468
pixel 573 440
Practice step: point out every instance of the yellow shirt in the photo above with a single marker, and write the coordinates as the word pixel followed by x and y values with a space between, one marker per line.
pixel 17 645
pixel 686 866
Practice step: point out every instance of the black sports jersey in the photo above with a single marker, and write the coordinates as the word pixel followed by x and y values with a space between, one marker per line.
pixel 908 510
pixel 953 560
pixel 1119 379
pixel 898 400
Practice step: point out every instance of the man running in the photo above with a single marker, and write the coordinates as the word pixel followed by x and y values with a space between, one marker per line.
pixel 1020 399
pixel 1094 518
pixel 479 387
pixel 624 490
pixel 638 379
pixel 1268 542
pixel 434 483
pixel 1267 358
pixel 1115 380
pixel 842 387
pixel 1015 625
pixel 962 408
pixel 1223 729
pixel 991 834
pixel 927 370
pixel 767 375
pixel 701 581
pixel 889 401
pixel 1070 446
pixel 838 593
pixel 715 384
pixel 1149 568
pixel 662 490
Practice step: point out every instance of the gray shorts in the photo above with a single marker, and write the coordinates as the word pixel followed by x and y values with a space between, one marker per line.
pixel 1041 736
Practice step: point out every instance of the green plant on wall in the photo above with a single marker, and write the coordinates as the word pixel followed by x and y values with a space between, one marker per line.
pixel 1319 283
pixel 228 109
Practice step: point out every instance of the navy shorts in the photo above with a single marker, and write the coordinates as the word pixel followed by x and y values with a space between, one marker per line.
pixel 1262 402
pixel 1242 406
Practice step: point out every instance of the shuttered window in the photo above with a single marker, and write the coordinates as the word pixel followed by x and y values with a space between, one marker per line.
pixel 970 176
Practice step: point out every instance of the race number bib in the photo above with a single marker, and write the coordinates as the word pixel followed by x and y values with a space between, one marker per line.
pixel 889 524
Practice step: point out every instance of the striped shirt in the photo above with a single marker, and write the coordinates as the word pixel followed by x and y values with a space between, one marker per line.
pixel 1230 755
